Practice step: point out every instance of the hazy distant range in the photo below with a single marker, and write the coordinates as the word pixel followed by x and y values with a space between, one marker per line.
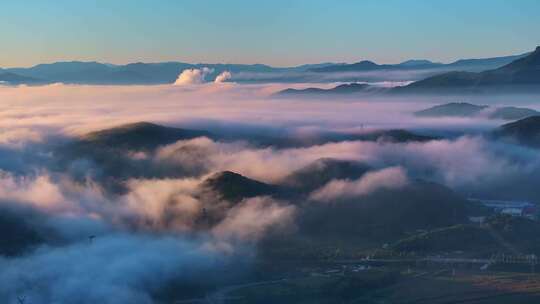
pixel 76 72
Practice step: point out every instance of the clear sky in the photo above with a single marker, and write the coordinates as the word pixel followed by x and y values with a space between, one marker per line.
pixel 276 32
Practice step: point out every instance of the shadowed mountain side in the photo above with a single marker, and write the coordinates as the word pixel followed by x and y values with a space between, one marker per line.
pixel 386 214
pixel 79 72
pixel 139 136
pixel 234 187
pixel 501 233
pixel 106 155
pixel 322 171
pixel 15 79
pixel 22 229
pixel 289 141
pixel 459 109
pixel 394 136
pixel 513 113
pixel 463 109
pixel 350 88
pixel 521 75
pixel 462 64
pixel 382 216
pixel 525 131
pixel 16 236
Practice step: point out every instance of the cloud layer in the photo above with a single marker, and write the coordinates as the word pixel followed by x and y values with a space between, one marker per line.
pixel 388 178
pixel 160 227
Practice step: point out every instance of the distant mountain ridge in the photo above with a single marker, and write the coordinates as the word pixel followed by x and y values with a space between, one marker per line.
pixel 139 135
pixel 525 131
pixel 347 88
pixel 13 78
pixel 460 109
pixel 518 75
pixel 462 64
pixel 463 109
pixel 79 72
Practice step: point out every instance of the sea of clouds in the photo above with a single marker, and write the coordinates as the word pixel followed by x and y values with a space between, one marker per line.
pixel 123 247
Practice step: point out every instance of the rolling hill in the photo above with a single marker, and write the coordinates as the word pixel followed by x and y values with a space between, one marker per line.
pixel 80 72
pixel 421 64
pixel 234 187
pixel 14 79
pixel 521 75
pixel 105 155
pixel 513 113
pixel 500 233
pixel 459 109
pixel 386 214
pixel 463 109
pixel 322 171
pixel 139 136
pixel 525 131
pixel 349 88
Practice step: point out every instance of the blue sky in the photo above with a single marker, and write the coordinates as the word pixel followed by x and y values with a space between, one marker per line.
pixel 277 32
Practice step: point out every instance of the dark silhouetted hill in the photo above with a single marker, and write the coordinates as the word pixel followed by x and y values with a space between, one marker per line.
pixel 350 88
pixel 499 234
pixel 139 136
pixel 14 79
pixel 460 109
pixel 521 75
pixel 322 171
pixel 462 64
pixel 513 113
pixel 463 109
pixel 524 131
pixel 386 214
pixel 234 187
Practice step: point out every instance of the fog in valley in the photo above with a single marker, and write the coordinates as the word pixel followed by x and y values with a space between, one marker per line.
pixel 113 217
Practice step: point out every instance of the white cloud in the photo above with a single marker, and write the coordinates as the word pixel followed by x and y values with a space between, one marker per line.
pixel 193 76
pixel 224 76
pixel 252 218
pixel 388 178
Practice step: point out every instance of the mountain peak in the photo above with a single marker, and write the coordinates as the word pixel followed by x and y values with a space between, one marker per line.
pixel 525 131
pixel 415 62
pixel 140 135
pixel 458 109
pixel 232 186
pixel 366 63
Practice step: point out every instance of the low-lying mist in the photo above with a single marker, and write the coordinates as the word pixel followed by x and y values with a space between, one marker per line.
pixel 99 225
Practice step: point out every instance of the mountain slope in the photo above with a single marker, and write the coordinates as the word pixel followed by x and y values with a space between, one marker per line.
pixel 140 135
pixel 460 109
pixel 521 74
pixel 493 237
pixel 513 113
pixel 386 214
pixel 234 187
pixel 105 155
pixel 525 131
pixel 463 109
pixel 12 78
pixel 462 64
pixel 80 72
pixel 349 88
pixel 322 171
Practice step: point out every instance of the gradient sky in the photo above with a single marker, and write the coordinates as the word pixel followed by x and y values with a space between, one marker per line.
pixel 276 32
